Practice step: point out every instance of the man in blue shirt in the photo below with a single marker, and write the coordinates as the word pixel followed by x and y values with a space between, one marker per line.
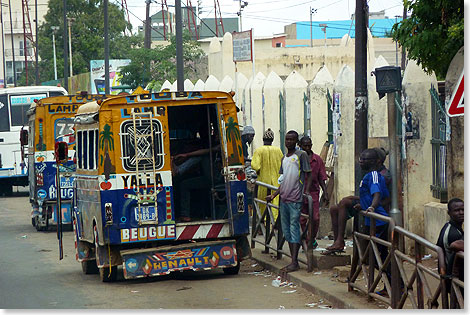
pixel 372 193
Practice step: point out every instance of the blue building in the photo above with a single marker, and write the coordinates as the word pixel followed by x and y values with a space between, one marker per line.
pixel 379 27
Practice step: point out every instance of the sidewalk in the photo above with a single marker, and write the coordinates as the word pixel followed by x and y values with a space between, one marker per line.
pixel 329 283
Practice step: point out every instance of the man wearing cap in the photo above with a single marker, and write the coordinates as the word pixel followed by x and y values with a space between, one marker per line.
pixel 267 162
pixel 248 134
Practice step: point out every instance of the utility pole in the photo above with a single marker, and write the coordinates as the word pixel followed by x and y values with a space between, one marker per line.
pixel 312 12
pixel 66 62
pixel 12 45
pixel 54 28
pixel 147 39
pixel 396 45
pixel 403 51
pixel 323 28
pixel 70 20
pixel 179 47
pixel 239 13
pixel 37 43
pixel 106 49
pixel 360 90
pixel 3 46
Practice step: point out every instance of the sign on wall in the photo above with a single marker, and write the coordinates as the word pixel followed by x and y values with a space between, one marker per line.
pixel 97 75
pixel 242 50
pixel 456 104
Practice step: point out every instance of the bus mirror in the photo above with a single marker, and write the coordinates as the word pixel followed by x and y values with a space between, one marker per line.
pixel 61 152
pixel 24 137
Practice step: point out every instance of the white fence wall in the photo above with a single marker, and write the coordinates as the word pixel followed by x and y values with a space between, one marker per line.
pixel 271 92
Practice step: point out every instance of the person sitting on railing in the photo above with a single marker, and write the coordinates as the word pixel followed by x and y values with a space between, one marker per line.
pixel 295 171
pixel 346 209
pixel 451 236
pixel 267 162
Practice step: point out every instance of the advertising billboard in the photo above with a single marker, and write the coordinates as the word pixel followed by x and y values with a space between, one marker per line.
pixel 97 75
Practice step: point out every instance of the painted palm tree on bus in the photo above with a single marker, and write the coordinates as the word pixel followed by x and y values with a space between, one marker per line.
pixel 106 143
pixel 233 134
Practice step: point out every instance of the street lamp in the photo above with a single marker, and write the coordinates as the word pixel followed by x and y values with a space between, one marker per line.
pixel 54 29
pixel 243 4
pixel 312 12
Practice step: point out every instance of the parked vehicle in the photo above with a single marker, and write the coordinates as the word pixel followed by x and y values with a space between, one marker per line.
pixel 50 122
pixel 131 186
pixel 14 103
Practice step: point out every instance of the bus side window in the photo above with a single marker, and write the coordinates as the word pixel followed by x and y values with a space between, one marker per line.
pixel 84 153
pixel 91 149
pixel 79 149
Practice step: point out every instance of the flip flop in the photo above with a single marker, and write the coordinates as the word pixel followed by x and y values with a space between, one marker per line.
pixel 332 252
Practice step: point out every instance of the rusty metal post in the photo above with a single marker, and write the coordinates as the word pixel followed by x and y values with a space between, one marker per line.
pixel 394 238
pixel 355 256
pixel 310 236
pixel 371 262
pixel 419 281
pixel 394 212
pixel 267 223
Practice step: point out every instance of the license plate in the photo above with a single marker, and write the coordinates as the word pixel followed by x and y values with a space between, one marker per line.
pixel 147 213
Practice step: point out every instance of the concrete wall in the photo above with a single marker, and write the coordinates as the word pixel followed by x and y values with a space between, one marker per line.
pixel 455 147
pixel 305 60
pixel 418 173
pixel 435 216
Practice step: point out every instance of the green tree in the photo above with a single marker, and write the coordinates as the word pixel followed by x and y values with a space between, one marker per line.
pixel 159 63
pixel 433 33
pixel 87 37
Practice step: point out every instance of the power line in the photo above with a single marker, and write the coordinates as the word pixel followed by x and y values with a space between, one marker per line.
pixel 196 15
pixel 151 27
pixel 291 6
pixel 303 23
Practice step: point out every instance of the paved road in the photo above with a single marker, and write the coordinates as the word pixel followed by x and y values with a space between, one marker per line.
pixel 32 276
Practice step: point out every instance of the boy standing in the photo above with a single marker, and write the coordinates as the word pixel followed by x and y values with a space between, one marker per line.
pixel 318 180
pixel 295 171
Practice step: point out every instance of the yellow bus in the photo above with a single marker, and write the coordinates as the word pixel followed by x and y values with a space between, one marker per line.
pixel 160 185
pixel 50 121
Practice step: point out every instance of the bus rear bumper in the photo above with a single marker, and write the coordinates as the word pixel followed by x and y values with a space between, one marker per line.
pixel 193 256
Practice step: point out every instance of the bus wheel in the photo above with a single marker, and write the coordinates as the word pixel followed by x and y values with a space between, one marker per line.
pixel 232 270
pixel 106 276
pixel 37 224
pixel 89 267
pixel 7 190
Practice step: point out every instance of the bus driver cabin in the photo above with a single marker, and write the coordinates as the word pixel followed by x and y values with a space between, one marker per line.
pixel 160 185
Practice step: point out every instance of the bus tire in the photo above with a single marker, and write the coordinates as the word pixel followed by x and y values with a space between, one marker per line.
pixel 37 224
pixel 89 267
pixel 105 276
pixel 232 270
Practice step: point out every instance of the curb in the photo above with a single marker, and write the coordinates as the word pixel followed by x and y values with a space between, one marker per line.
pixel 335 292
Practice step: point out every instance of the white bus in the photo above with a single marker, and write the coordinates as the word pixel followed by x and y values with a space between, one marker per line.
pixel 14 104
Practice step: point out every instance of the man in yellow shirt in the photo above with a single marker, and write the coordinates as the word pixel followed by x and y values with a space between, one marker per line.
pixel 266 162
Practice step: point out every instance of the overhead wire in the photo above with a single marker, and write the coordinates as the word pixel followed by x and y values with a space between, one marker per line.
pixel 196 15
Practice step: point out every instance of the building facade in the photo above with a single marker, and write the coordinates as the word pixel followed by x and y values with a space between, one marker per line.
pixel 17 32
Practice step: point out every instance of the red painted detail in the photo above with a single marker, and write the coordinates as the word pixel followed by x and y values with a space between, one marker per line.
pixel 456 107
pixel 105 185
pixel 189 232
pixel 215 230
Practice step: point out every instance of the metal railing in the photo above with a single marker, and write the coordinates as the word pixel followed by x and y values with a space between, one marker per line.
pixel 456 289
pixel 406 278
pixel 267 231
